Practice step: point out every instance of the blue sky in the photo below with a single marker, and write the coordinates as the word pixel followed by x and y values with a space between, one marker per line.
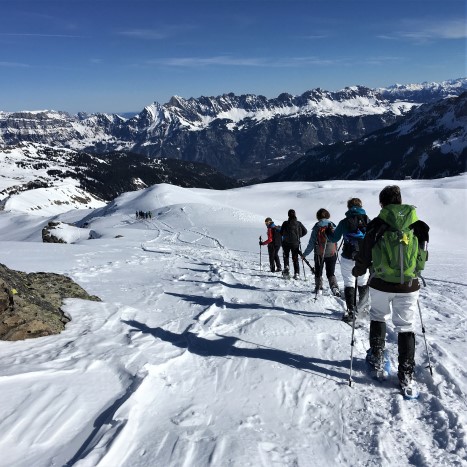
pixel 118 56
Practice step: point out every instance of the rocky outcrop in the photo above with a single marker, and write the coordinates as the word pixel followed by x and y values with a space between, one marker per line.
pixel 47 233
pixel 30 304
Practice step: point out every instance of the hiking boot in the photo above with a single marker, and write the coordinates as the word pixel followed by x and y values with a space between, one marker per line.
pixel 349 294
pixel 406 348
pixel 348 317
pixel 278 269
pixel 296 276
pixel 375 358
pixel 336 292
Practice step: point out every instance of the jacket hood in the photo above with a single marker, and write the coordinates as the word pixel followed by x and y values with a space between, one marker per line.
pixel 355 210
pixel 398 216
pixel 324 222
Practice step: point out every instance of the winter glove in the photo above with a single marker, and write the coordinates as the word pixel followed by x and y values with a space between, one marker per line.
pixel 260 243
pixel 355 272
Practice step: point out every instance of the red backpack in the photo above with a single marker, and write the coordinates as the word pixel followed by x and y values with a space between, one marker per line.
pixel 323 246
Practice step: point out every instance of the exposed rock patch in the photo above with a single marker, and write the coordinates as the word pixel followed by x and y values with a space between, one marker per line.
pixel 61 232
pixel 30 304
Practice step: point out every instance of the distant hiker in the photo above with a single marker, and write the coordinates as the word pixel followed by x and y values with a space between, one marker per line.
pixel 325 252
pixel 394 235
pixel 292 230
pixel 274 242
pixel 352 228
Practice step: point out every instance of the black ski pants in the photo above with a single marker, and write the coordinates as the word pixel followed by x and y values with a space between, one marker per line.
pixel 295 250
pixel 330 264
pixel 274 261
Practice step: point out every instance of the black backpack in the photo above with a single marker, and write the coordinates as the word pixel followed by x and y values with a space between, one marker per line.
pixel 276 237
pixel 291 232
pixel 355 235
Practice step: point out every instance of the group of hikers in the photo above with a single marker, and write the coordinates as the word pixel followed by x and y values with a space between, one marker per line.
pixel 381 261
pixel 143 215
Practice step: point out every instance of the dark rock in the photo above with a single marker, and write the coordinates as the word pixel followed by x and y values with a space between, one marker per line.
pixel 48 236
pixel 30 304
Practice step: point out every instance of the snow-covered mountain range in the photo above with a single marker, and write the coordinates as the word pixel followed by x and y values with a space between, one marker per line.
pixel 84 179
pixel 243 136
pixel 430 142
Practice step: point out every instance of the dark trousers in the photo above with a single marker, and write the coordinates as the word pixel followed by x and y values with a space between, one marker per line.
pixel 295 250
pixel 274 261
pixel 330 264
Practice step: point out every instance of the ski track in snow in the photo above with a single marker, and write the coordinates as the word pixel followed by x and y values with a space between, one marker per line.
pixel 203 334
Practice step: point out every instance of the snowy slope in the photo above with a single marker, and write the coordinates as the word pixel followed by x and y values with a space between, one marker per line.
pixel 198 357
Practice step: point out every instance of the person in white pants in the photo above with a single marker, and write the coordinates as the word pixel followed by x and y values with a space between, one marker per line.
pixel 352 228
pixel 391 292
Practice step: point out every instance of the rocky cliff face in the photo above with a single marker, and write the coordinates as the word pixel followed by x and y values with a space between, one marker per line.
pixel 244 136
pixel 30 303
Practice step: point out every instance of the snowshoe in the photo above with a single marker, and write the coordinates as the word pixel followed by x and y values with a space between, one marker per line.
pixel 378 365
pixel 409 387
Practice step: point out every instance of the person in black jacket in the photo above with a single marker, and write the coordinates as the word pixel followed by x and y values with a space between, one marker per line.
pixel 391 292
pixel 292 230
pixel 274 242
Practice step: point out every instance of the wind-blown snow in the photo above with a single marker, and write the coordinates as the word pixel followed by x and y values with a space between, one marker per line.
pixel 198 357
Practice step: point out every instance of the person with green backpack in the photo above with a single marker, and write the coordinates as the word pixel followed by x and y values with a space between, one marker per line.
pixel 395 251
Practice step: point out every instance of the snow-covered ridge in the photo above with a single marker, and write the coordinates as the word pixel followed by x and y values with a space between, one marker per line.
pixel 199 113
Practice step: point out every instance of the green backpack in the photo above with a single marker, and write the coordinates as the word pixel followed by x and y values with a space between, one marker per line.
pixel 396 256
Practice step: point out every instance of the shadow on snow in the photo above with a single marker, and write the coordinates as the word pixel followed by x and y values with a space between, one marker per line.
pixel 224 346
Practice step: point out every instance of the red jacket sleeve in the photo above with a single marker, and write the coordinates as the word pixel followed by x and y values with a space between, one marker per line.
pixel 269 240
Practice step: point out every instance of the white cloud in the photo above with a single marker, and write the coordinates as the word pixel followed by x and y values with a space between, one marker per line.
pixel 13 65
pixel 148 34
pixel 226 60
pixel 425 31
pixel 21 34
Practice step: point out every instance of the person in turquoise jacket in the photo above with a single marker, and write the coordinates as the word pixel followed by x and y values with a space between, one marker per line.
pixel 352 228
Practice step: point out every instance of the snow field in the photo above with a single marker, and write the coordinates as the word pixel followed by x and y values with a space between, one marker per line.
pixel 198 357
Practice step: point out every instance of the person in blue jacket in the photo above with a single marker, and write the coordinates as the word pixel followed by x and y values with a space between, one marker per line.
pixel 352 228
pixel 325 252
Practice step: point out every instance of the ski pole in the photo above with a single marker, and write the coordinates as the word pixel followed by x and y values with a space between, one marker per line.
pixel 303 265
pixel 352 341
pixel 337 252
pixel 260 265
pixel 308 264
pixel 321 268
pixel 424 337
